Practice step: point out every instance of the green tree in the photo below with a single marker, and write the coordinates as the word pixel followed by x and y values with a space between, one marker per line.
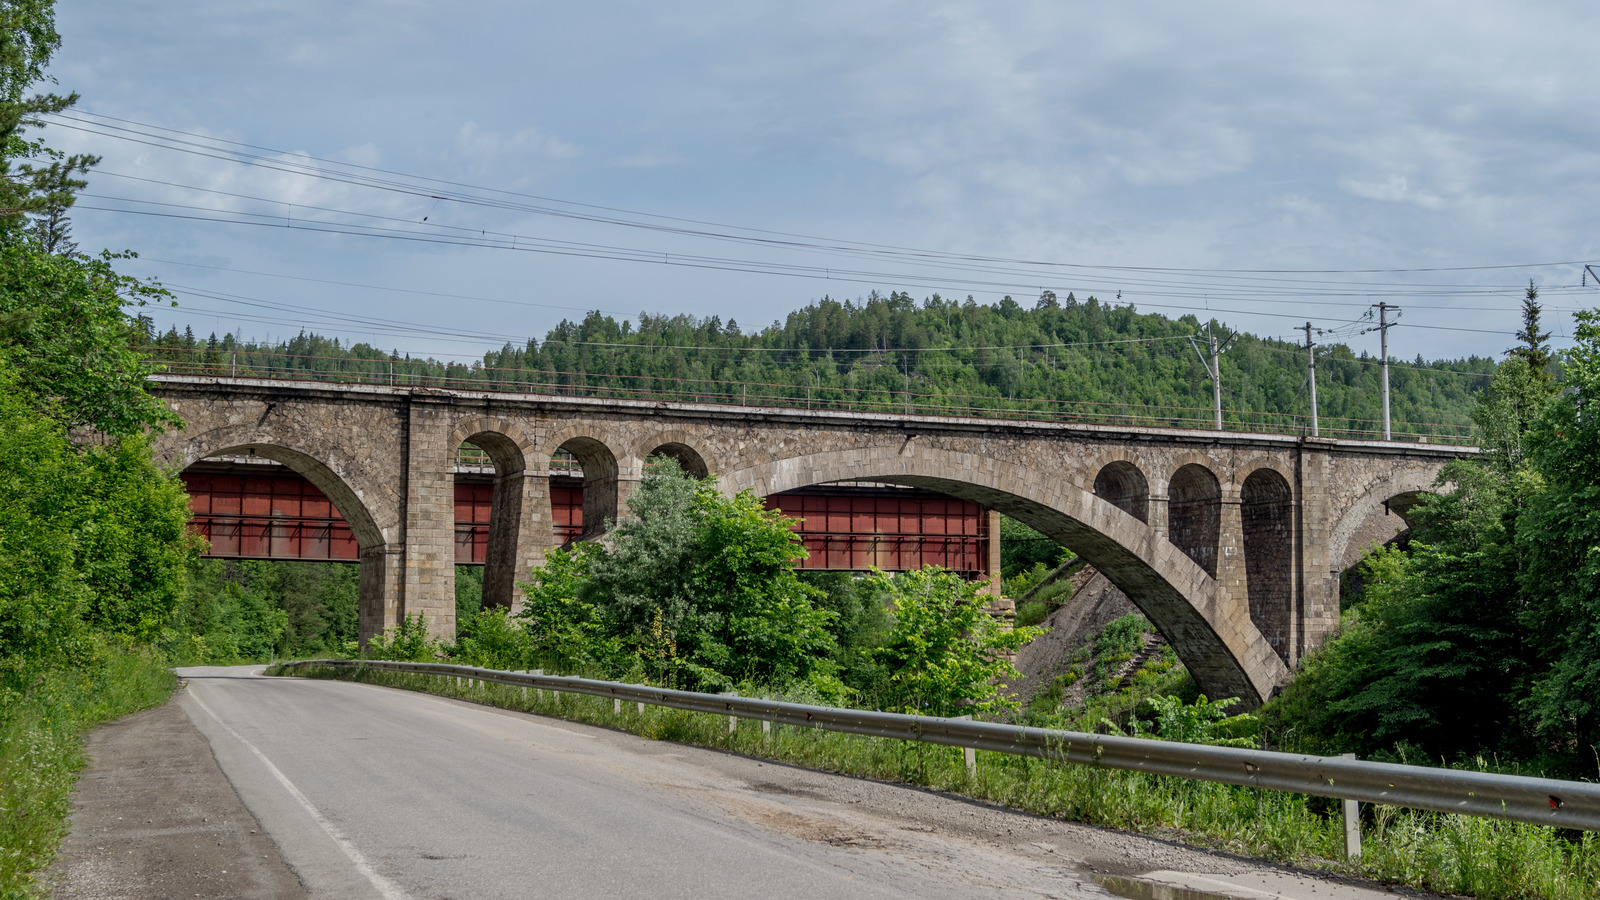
pixel 92 540
pixel 33 178
pixel 43 596
pixel 63 325
pixel 565 633
pixel 1559 537
pixel 1535 349
pixel 1438 651
pixel 945 655
pixel 720 573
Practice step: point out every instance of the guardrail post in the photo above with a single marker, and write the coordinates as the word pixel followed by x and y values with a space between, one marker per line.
pixel 616 706
pixel 969 755
pixel 1352 824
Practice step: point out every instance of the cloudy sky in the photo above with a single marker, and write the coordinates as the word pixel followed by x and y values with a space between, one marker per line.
pixel 441 177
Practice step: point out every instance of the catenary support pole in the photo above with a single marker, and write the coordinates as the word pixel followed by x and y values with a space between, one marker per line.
pixel 1213 367
pixel 1383 344
pixel 1311 377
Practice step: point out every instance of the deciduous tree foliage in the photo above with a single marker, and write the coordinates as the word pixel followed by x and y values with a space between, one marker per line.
pixel 945 654
pixel 93 546
pixel 695 588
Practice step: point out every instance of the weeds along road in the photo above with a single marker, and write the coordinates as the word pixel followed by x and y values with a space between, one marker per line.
pixel 374 792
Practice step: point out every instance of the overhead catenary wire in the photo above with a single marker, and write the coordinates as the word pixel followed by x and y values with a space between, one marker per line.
pixel 1148 285
pixel 685 260
pixel 84 118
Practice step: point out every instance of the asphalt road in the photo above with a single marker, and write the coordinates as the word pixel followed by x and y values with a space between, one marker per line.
pixel 373 792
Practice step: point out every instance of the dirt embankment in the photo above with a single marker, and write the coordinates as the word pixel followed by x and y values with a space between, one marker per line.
pixel 1095 602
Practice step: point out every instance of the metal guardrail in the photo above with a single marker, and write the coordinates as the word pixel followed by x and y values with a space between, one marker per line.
pixel 1541 801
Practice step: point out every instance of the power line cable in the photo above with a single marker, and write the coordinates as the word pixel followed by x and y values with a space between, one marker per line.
pixel 85 118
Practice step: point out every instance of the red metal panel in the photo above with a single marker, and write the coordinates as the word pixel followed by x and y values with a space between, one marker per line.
pixel 853 530
pixel 256 498
pixel 279 515
pixel 566 509
pixel 199 487
pixel 225 495
pixel 286 497
pixel 342 543
pixel 317 506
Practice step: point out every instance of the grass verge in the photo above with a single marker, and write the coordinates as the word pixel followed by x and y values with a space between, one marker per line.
pixel 1433 851
pixel 41 751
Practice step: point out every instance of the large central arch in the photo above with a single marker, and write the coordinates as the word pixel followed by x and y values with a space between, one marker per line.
pixel 354 492
pixel 1212 633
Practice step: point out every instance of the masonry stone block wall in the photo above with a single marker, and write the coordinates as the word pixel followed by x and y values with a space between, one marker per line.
pixel 1229 543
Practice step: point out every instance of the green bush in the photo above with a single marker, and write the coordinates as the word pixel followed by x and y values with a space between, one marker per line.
pixel 697 588
pixel 945 653
pixel 408 641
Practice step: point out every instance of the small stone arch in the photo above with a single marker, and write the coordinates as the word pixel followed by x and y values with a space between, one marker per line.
pixel 1194 514
pixel 1266 511
pixel 686 448
pixel 1225 653
pixel 687 459
pixel 503 563
pixel 1121 484
pixel 600 479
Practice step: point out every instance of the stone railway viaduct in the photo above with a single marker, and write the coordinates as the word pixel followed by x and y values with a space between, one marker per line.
pixel 1231 544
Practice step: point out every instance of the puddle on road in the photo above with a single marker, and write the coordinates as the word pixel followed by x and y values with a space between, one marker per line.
pixel 1134 889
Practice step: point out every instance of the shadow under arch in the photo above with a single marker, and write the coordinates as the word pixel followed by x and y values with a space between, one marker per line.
pixel 376 606
pixel 1121 484
pixel 1194 514
pixel 1266 512
pixel 1226 654
pixel 687 458
pixel 505 516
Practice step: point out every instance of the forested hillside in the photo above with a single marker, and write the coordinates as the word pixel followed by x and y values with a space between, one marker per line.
pixel 1061 358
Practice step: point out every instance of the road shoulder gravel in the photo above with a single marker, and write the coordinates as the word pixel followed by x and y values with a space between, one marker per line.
pixel 155 817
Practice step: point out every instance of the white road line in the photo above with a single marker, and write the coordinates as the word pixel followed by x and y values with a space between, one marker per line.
pixel 387 888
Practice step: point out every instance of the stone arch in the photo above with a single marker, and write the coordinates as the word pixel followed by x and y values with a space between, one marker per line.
pixel 1224 651
pixel 1121 484
pixel 1194 514
pixel 503 562
pixel 600 478
pixel 331 471
pixel 1399 492
pixel 370 511
pixel 688 460
pixel 1266 511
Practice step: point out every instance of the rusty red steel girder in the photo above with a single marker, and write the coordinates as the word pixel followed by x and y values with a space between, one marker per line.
pixel 277 514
